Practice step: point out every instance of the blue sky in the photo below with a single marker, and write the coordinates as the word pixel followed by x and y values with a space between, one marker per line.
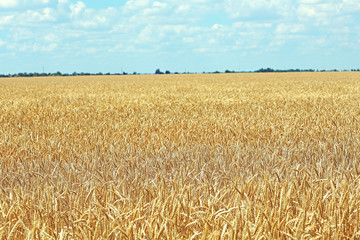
pixel 177 35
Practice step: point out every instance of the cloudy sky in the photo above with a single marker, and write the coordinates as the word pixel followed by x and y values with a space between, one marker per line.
pixel 177 35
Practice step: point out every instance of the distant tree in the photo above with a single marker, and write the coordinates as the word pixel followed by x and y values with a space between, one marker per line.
pixel 134 73
pixel 265 70
pixel 167 72
pixel 158 71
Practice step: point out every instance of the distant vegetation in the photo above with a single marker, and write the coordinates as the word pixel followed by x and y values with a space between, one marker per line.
pixel 158 71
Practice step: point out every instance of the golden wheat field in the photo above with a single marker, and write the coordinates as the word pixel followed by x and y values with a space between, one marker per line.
pixel 222 156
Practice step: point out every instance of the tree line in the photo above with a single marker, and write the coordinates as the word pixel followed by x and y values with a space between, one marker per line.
pixel 158 71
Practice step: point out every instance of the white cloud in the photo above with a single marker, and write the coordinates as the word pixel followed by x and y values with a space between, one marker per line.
pixel 50 47
pixel 32 47
pixel 201 50
pixel 351 5
pixel 22 35
pixel 5 20
pixel 51 38
pixel 309 1
pixel 8 3
pixel 133 5
pixel 284 28
pixel 322 10
pixel 217 26
pixel 251 25
pixel 188 40
pixel 160 4
pixel 327 13
pixel 312 8
pixel 20 5
pixel 32 16
pixel 201 26
pixel 77 9
pixel 142 12
pixel 90 18
pixel 91 50
pixel 276 43
pixel 183 8
pixel 153 33
pixel 245 8
pixel 249 37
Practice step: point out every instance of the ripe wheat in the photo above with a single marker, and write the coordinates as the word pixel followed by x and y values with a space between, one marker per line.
pixel 227 156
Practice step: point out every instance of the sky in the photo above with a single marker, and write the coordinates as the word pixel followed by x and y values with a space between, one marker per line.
pixel 177 35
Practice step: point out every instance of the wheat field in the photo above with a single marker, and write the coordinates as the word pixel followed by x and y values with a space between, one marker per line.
pixel 221 156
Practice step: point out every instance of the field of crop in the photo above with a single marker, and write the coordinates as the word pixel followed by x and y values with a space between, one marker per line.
pixel 223 156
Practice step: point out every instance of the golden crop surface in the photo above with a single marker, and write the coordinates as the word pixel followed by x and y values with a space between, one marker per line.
pixel 226 156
